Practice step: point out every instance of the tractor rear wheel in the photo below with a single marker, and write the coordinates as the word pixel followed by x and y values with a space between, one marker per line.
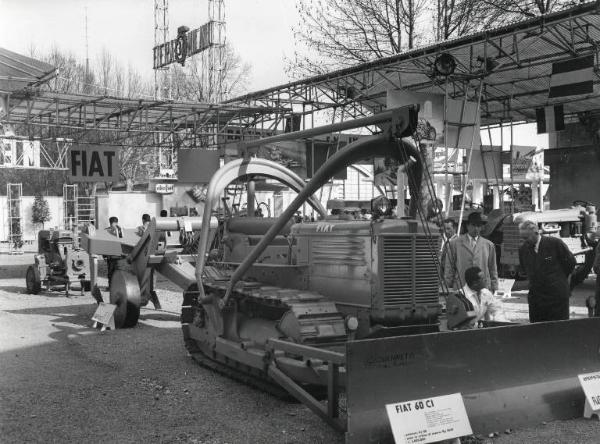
pixel 125 294
pixel 33 280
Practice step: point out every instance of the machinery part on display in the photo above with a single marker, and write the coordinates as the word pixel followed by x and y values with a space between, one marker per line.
pixel 509 377
pixel 59 262
pixel 289 311
pixel 149 252
pixel 125 294
pixel 33 280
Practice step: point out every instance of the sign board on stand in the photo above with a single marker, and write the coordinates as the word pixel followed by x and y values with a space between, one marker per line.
pixel 429 420
pixel 590 382
pixel 504 288
pixel 104 315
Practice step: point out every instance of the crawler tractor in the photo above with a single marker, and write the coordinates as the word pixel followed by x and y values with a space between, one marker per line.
pixel 59 263
pixel 344 314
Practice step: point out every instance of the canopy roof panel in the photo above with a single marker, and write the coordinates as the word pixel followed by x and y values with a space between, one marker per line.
pixel 18 71
pixel 515 78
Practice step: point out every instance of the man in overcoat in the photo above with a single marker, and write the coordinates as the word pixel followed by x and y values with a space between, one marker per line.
pixel 471 250
pixel 548 263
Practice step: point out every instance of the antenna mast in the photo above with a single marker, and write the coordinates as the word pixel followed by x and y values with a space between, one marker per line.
pixel 162 76
pixel 212 58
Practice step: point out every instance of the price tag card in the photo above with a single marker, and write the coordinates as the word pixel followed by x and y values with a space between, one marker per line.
pixel 590 383
pixel 429 420
pixel 104 314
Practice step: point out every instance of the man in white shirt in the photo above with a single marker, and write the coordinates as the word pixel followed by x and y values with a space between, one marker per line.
pixel 486 307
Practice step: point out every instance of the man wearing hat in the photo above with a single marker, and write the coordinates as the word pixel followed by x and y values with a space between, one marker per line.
pixel 471 250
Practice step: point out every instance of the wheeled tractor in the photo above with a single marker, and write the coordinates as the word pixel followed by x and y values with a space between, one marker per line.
pixel 58 263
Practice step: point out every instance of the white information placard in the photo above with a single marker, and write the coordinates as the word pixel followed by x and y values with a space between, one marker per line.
pixel 429 420
pixel 590 383
pixel 504 288
pixel 104 315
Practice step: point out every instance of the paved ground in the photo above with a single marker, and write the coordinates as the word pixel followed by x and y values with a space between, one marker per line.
pixel 62 381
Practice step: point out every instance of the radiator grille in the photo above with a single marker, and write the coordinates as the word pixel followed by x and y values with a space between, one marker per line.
pixel 511 241
pixel 410 275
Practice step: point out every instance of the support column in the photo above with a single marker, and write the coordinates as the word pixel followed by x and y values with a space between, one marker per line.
pixel 251 198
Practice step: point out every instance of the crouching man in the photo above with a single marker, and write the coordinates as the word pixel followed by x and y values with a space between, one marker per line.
pixel 474 303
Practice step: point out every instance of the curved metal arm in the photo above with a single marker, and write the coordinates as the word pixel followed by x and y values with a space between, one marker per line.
pixel 385 145
pixel 232 171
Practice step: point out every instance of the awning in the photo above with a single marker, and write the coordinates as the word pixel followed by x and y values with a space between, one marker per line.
pixel 18 72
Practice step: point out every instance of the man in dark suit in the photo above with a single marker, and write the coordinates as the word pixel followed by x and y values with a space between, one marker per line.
pixel 548 263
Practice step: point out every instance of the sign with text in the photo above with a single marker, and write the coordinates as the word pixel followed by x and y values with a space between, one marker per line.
pixel 164 188
pixel 590 383
pixel 187 44
pixel 527 163
pixel 104 315
pixel 94 163
pixel 429 420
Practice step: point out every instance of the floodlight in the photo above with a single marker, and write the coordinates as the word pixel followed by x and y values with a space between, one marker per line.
pixel 444 64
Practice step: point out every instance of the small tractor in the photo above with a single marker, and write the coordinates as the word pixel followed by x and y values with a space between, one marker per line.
pixel 59 262
pixel 344 314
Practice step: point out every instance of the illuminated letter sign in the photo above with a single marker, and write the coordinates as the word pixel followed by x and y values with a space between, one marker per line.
pixel 185 45
pixel 94 163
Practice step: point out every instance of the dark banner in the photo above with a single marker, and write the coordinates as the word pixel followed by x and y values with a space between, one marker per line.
pixel 197 165
pixel 317 154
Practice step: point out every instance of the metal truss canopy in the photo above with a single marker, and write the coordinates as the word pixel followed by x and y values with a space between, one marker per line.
pixel 116 120
pixel 514 61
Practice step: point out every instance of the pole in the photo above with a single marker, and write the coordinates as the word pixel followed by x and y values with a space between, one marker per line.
pixel 447 186
pixel 475 125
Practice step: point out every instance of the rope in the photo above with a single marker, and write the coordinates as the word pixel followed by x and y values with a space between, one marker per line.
pixel 420 211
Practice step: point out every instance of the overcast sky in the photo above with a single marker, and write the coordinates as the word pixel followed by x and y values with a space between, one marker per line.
pixel 259 30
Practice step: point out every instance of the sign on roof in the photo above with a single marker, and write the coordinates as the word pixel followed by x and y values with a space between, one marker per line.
pixel 187 44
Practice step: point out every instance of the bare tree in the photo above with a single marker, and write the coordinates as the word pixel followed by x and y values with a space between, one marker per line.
pixel 191 83
pixel 72 75
pixel 516 9
pixel 347 32
pixel 455 18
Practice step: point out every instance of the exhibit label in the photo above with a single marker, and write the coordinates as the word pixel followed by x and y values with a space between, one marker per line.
pixel 429 420
pixel 590 383
pixel 104 314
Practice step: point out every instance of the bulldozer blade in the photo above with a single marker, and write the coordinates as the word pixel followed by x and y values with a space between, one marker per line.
pixel 509 377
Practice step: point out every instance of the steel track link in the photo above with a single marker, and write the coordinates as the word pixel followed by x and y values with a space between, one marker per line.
pixel 259 382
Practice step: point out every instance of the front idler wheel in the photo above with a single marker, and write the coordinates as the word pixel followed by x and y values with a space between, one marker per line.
pixel 125 294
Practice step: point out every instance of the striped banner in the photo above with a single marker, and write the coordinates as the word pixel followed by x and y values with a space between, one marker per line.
pixel 572 77
pixel 550 119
